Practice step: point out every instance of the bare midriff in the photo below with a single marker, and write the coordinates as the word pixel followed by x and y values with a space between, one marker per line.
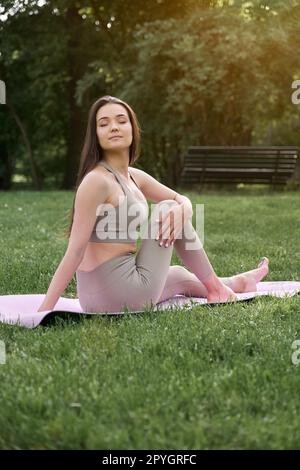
pixel 97 253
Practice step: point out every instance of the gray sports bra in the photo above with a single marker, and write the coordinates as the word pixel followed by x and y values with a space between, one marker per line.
pixel 120 224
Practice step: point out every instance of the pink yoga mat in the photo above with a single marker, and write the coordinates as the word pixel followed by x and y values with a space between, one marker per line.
pixel 22 309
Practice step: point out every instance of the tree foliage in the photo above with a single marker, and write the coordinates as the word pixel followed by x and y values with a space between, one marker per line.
pixel 209 72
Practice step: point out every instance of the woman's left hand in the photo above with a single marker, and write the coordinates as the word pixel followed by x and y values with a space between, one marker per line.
pixel 171 224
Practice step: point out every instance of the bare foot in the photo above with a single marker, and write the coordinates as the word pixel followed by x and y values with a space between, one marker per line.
pixel 246 282
pixel 223 294
pixel 263 269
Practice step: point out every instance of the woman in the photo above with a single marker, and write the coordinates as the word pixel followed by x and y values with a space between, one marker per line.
pixel 111 273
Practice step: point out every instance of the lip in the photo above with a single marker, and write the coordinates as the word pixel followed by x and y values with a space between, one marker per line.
pixel 115 137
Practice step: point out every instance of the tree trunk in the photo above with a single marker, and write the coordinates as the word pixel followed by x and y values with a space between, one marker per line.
pixel 75 131
pixel 33 166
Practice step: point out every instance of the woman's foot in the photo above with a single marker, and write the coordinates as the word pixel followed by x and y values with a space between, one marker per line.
pixel 223 294
pixel 217 291
pixel 246 282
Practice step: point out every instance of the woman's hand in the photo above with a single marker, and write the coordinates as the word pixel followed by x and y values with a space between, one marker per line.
pixel 47 304
pixel 44 307
pixel 171 224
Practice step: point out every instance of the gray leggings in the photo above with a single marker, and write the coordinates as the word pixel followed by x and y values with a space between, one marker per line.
pixel 139 280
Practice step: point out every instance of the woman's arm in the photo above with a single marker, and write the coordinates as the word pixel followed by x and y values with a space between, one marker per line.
pixel 186 204
pixel 61 279
pixel 156 191
pixel 92 192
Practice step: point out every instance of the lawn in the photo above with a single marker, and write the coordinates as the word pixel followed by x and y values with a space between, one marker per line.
pixel 214 377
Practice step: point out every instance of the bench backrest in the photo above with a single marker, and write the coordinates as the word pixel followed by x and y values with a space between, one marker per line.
pixel 239 164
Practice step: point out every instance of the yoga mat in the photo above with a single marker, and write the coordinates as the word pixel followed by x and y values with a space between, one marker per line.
pixel 22 309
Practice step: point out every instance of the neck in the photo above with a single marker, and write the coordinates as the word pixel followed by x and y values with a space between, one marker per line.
pixel 118 163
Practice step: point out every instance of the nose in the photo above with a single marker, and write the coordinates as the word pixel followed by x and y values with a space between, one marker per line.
pixel 114 125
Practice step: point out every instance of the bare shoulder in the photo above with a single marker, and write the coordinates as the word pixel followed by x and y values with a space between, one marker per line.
pixel 139 175
pixel 150 187
pixel 95 182
pixel 95 177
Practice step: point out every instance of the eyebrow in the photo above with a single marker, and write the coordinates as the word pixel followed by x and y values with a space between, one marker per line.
pixel 106 117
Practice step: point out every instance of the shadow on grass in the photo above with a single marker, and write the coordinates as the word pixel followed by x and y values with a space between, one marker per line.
pixel 64 319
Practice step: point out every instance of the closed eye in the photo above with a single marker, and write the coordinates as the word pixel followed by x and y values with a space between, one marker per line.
pixel 120 122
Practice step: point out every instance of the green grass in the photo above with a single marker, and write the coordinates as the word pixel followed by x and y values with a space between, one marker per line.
pixel 212 377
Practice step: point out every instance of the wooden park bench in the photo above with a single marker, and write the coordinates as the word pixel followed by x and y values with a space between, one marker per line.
pixel 233 165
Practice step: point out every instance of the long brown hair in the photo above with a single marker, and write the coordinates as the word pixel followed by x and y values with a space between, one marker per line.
pixel 92 152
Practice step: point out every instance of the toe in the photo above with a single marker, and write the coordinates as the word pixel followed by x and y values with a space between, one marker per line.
pixel 262 261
